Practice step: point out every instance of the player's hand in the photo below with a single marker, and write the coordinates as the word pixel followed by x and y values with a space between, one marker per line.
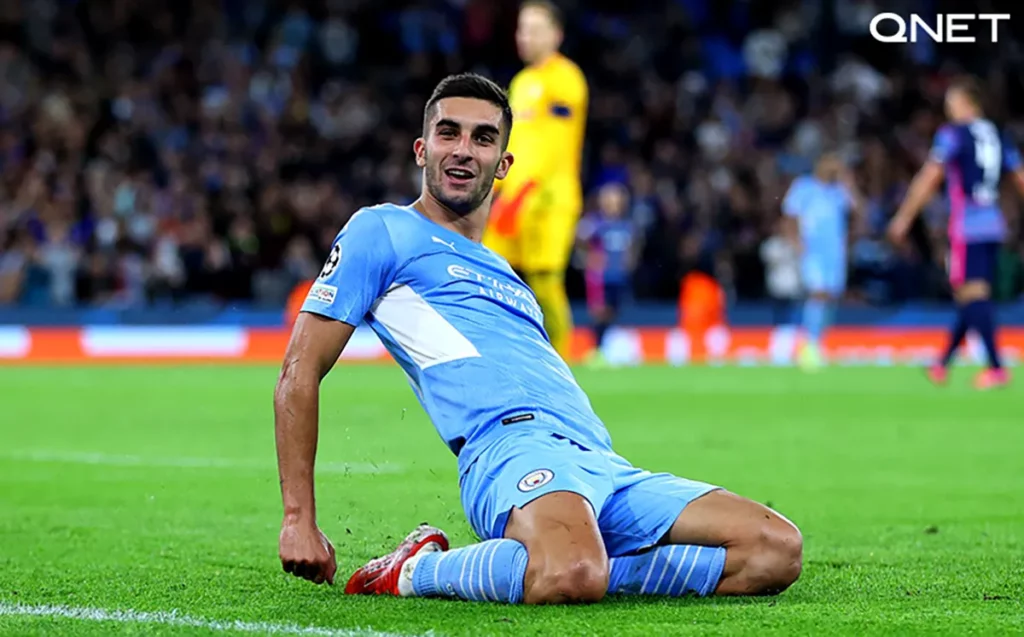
pixel 306 552
pixel 897 230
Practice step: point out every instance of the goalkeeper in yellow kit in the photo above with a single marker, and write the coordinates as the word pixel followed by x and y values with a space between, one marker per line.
pixel 533 219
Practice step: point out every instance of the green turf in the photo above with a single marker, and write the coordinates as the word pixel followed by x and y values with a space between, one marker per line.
pixel 911 499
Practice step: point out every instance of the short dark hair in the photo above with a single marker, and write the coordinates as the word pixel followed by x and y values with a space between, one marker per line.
pixel 473 86
pixel 550 7
pixel 970 88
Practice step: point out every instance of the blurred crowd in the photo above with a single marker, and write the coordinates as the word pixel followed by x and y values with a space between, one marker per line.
pixel 175 151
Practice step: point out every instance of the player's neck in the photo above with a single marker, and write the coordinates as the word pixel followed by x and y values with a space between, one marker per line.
pixel 543 59
pixel 967 117
pixel 470 225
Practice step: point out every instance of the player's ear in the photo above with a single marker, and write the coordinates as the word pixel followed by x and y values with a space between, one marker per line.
pixel 419 149
pixel 503 165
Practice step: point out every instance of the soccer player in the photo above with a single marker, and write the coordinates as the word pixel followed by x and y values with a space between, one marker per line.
pixel 972 155
pixel 561 516
pixel 820 206
pixel 533 221
pixel 608 237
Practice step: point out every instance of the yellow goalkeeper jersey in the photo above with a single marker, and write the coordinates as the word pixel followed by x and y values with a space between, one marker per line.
pixel 549 103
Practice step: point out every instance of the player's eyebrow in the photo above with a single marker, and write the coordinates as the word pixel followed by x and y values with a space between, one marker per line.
pixel 479 129
pixel 487 129
pixel 442 123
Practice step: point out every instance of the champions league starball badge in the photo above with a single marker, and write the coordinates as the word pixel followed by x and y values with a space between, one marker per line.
pixel 332 261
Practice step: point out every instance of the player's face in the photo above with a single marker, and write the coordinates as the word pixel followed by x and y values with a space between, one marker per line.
pixel 958 106
pixel 537 36
pixel 612 200
pixel 462 154
pixel 828 168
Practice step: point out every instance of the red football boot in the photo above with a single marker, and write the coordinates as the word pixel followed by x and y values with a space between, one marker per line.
pixel 992 379
pixel 381 576
pixel 937 374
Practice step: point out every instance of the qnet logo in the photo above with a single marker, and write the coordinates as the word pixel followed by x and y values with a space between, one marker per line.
pixel 944 27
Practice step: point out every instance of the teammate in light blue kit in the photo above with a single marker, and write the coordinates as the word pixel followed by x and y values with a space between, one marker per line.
pixel 821 205
pixel 561 516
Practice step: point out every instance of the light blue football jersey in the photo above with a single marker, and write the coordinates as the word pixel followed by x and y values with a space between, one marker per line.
pixel 465 328
pixel 823 212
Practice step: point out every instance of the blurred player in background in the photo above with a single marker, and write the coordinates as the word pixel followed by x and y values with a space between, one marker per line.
pixel 821 207
pixel 782 274
pixel 608 238
pixel 561 517
pixel 972 154
pixel 533 220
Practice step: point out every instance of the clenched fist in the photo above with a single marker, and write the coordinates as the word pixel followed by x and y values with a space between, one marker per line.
pixel 306 552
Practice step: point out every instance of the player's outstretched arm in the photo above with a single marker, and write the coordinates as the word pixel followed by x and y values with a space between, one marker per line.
pixel 921 190
pixel 315 346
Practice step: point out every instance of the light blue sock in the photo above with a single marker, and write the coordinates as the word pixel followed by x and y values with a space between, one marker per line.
pixel 668 570
pixel 491 571
pixel 815 320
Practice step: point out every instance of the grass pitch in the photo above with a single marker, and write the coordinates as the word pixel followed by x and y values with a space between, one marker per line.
pixel 145 501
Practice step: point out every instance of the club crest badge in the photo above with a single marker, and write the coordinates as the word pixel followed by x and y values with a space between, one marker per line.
pixel 536 479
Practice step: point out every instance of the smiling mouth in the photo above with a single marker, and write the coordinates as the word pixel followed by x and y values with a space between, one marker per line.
pixel 459 173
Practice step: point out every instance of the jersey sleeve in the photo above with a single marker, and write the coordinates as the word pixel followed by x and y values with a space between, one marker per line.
pixel 944 146
pixel 569 92
pixel 360 268
pixel 793 202
pixel 1011 156
pixel 567 112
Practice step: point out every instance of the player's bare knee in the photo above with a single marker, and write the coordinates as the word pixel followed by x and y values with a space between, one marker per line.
pixel 580 581
pixel 789 551
pixel 776 560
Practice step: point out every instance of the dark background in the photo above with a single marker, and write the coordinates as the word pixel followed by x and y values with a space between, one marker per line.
pixel 174 152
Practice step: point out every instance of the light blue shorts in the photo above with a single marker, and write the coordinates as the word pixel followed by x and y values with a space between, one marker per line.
pixel 823 275
pixel 634 508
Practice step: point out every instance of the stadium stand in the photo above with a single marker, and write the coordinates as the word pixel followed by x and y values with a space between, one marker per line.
pixel 174 152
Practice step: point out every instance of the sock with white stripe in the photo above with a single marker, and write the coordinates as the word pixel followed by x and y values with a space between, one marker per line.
pixel 815 320
pixel 492 571
pixel 668 570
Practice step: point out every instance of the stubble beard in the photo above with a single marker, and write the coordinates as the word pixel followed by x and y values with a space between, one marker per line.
pixel 462 203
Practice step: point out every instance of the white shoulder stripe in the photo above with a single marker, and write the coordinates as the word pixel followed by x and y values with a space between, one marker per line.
pixel 426 336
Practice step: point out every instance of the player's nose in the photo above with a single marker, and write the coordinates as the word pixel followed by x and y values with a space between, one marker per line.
pixel 463 148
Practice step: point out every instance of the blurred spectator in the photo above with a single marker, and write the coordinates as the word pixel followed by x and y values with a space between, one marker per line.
pixel 782 274
pixel 607 241
pixel 175 152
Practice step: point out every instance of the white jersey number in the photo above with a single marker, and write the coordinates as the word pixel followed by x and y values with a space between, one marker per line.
pixel 988 155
